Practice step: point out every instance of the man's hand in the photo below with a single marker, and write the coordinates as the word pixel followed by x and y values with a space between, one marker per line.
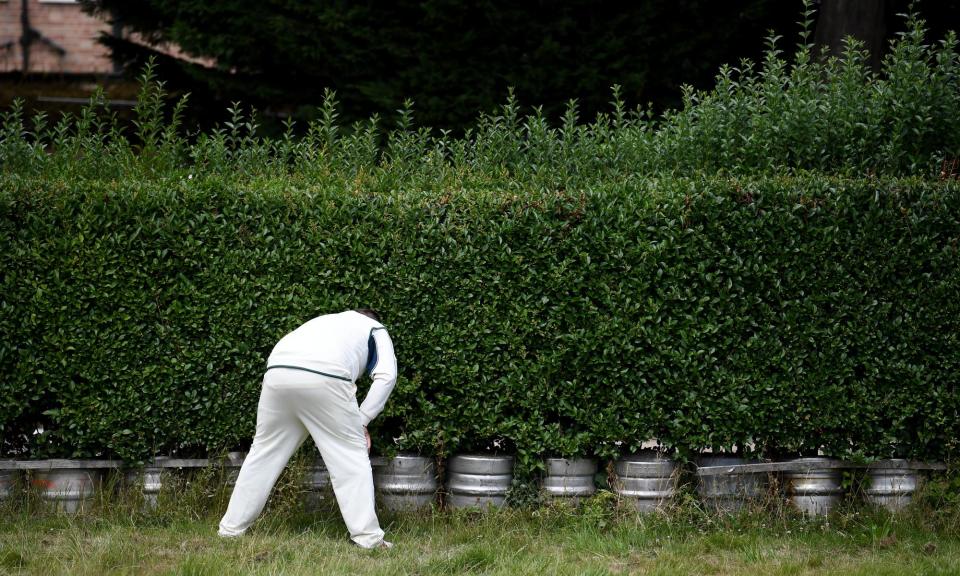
pixel 369 443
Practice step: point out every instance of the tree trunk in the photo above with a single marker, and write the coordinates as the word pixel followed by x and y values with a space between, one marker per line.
pixel 865 20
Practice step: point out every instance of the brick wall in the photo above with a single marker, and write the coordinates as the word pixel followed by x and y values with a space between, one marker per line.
pixel 65 24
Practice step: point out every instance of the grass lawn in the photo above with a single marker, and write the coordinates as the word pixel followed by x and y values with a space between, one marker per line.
pixel 595 539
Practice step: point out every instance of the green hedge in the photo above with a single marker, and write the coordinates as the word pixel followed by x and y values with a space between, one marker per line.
pixel 833 116
pixel 571 287
pixel 798 312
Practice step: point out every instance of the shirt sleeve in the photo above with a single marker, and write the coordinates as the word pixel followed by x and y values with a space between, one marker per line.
pixel 383 374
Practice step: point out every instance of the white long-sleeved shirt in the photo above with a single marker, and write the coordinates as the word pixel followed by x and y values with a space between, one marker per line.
pixel 343 346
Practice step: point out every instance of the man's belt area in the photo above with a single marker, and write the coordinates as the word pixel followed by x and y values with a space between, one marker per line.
pixel 309 370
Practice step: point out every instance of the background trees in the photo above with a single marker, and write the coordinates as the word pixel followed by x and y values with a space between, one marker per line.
pixel 455 58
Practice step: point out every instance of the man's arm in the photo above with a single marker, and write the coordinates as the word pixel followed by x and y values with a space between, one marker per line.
pixel 384 376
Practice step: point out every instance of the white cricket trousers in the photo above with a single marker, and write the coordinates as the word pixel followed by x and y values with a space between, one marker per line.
pixel 294 403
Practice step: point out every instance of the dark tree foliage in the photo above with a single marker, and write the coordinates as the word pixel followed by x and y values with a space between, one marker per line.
pixel 453 58
pixel 874 22
pixel 863 19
